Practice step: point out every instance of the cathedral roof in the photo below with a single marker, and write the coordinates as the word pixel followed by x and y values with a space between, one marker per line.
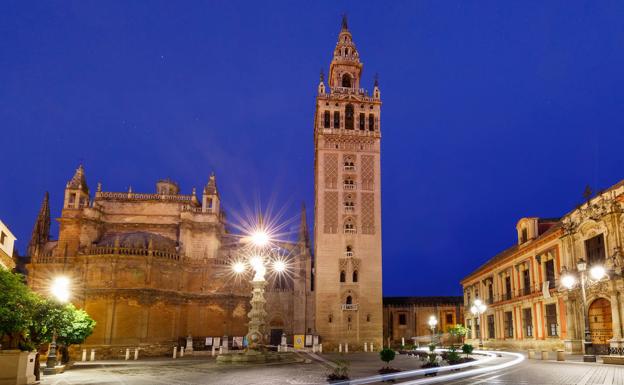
pixel 138 240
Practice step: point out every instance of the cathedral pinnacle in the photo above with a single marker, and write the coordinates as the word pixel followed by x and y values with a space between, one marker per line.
pixel 78 181
pixel 41 230
pixel 211 187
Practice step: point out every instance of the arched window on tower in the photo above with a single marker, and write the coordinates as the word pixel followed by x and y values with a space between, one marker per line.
pixel 336 119
pixel 326 119
pixel 349 116
pixel 343 276
pixel 371 122
pixel 346 81
pixel 355 275
pixel 349 252
pixel 362 121
pixel 349 300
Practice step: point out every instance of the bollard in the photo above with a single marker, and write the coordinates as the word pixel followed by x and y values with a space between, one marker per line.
pixel 181 351
pixel 560 355
pixel 320 348
pixel 92 354
pixel 402 341
pixel 531 354
pixel 213 351
pixel 136 354
pixel 347 347
pixel 175 352
pixel 84 355
pixel 544 355
pixel 365 346
pixel 127 354
pixel 339 348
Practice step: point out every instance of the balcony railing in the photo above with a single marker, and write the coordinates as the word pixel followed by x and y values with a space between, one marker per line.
pixel 521 292
pixel 350 231
pixel 349 209
pixel 348 254
pixel 349 186
pixel 349 168
pixel 349 306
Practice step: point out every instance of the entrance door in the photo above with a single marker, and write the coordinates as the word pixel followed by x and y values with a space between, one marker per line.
pixel 600 325
pixel 276 336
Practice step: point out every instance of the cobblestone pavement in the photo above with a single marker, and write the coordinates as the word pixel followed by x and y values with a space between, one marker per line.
pixel 203 371
pixel 551 373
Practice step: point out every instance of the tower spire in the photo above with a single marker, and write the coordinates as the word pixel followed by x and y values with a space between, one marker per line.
pixel 345 24
pixel 41 230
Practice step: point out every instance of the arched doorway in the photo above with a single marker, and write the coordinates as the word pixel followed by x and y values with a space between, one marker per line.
pixel 277 329
pixel 600 326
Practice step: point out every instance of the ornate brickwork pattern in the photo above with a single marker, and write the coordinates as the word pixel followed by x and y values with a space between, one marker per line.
pixel 368 213
pixel 331 170
pixel 331 212
pixel 368 172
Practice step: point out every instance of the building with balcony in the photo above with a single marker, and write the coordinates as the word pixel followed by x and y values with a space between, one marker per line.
pixel 7 246
pixel 526 304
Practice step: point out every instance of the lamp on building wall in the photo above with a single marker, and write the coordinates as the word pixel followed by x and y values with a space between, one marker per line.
pixel 477 309
pixel 570 280
pixel 60 290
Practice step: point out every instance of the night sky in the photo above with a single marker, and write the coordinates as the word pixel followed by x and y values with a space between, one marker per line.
pixel 493 110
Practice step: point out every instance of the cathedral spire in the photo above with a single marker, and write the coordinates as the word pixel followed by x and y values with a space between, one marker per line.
pixel 41 230
pixel 79 181
pixel 345 25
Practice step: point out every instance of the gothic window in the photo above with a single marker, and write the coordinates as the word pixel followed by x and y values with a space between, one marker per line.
pixel 209 201
pixel 371 122
pixel 349 251
pixel 349 184
pixel 346 80
pixel 349 226
pixel 362 121
pixel 326 119
pixel 355 275
pixel 349 163
pixel 349 116
pixel 336 119
pixel 349 300
pixel 342 276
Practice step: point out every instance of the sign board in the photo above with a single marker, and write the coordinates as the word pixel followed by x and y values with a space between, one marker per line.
pixel 208 341
pixel 299 341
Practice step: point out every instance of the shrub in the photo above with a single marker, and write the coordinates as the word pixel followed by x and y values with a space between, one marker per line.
pixel 467 349
pixel 432 347
pixel 387 355
pixel 340 371
pixel 452 357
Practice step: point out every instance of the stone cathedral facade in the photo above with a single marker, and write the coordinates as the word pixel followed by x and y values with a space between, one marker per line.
pixel 154 268
pixel 347 215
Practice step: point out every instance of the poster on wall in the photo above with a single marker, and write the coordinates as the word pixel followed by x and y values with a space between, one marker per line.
pixel 216 341
pixel 308 340
pixel 316 340
pixel 208 341
pixel 299 341
pixel 238 342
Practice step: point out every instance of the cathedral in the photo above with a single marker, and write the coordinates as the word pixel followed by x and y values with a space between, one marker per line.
pixel 155 269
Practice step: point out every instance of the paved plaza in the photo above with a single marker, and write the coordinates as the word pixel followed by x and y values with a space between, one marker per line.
pixel 196 371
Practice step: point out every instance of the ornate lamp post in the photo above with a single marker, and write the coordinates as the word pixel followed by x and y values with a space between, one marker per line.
pixel 259 260
pixel 60 292
pixel 433 322
pixel 570 281
pixel 477 309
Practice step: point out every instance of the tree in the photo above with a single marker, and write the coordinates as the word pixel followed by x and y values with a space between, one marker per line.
pixel 458 331
pixel 467 349
pixel 387 355
pixel 16 308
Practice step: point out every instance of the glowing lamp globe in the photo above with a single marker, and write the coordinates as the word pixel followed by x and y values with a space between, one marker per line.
pixel 256 262
pixel 260 238
pixel 238 267
pixel 568 281
pixel 279 266
pixel 597 272
pixel 60 289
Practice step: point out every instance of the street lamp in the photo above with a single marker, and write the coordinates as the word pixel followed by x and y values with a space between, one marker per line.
pixel 433 322
pixel 477 309
pixel 60 291
pixel 569 281
pixel 261 256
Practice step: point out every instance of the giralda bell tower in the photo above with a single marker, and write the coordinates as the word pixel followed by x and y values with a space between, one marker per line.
pixel 347 215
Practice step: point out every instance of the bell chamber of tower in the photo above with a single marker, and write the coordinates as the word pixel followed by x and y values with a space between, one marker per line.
pixel 347 203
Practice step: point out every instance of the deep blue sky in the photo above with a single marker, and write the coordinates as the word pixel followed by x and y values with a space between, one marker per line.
pixel 493 110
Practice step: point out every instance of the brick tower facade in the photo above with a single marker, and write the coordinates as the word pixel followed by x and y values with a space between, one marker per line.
pixel 347 225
